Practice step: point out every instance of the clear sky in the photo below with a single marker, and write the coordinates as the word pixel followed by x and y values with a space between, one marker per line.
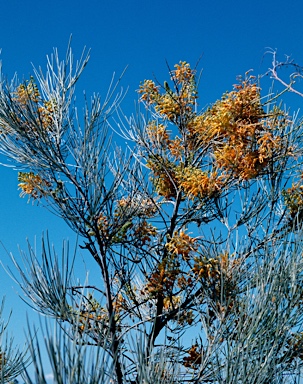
pixel 231 36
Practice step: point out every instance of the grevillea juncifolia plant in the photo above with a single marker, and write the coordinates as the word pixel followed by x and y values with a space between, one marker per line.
pixel 195 229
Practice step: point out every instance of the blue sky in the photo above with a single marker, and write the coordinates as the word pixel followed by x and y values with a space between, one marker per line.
pixel 231 37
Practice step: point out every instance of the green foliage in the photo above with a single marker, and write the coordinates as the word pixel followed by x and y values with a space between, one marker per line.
pixel 12 360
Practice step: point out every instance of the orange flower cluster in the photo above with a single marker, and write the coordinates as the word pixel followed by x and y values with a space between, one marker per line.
pixel 185 317
pixel 28 94
pixel 138 232
pixel 169 178
pixel 217 275
pixel 168 278
pixel 168 107
pixel 195 357
pixel 164 176
pixel 238 112
pixel 234 136
pixel 181 244
pixel 119 305
pixel 172 104
pixel 157 134
pixel 149 92
pixel 184 281
pixel 103 226
pixel 46 113
pixel 105 230
pixel 91 315
pixel 183 74
pixel 195 182
pixel 138 207
pixel 239 130
pixel 293 198
pixel 91 321
pixel 162 281
pixel 32 185
pixel 206 268
pixel 171 302
pixel 93 318
pixel 176 148
pixel 144 232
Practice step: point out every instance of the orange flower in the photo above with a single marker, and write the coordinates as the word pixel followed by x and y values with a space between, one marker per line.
pixel 32 185
pixel 157 134
pixel 149 92
pixel 27 92
pixel 197 183
pixel 195 357
pixel 164 176
pixel 181 244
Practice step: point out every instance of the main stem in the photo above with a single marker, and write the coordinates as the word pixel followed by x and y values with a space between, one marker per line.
pixel 159 322
pixel 111 312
